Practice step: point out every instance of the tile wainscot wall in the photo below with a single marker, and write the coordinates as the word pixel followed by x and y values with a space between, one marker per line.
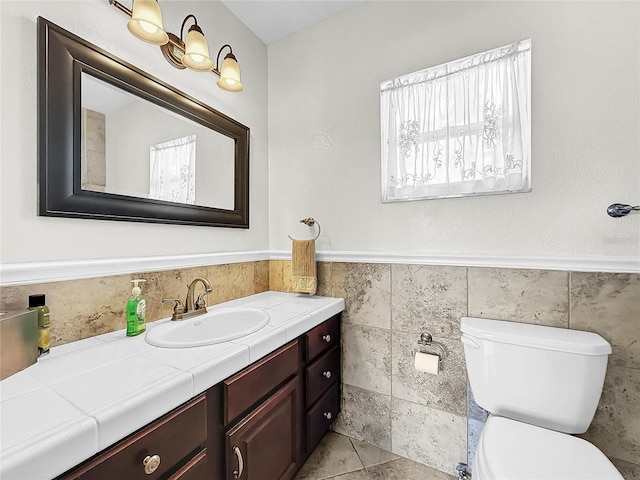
pixel 386 402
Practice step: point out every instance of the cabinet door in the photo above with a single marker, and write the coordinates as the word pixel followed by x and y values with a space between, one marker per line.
pixel 265 445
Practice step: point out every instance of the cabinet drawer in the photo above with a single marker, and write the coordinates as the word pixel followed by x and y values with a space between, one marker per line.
pixel 194 469
pixel 172 438
pixel 322 373
pixel 323 337
pixel 319 418
pixel 247 387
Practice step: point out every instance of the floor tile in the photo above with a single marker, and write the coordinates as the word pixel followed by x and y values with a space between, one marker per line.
pixel 371 455
pixel 404 469
pixel 358 475
pixel 334 456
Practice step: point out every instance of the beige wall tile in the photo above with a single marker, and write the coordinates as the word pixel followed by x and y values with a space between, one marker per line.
pixel 616 425
pixel 231 281
pixel 85 308
pixel 280 275
pixel 366 357
pixel 609 304
pixel 529 296
pixel 366 289
pixel 324 271
pixel 446 391
pixel 261 282
pixel 366 416
pixel 79 308
pixel 428 299
pixel 428 435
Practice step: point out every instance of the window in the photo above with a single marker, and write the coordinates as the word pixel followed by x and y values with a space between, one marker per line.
pixel 173 170
pixel 460 128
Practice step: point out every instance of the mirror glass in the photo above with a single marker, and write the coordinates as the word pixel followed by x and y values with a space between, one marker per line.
pixel 115 143
pixel 133 147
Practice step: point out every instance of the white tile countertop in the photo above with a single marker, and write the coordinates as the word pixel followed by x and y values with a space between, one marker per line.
pixel 86 395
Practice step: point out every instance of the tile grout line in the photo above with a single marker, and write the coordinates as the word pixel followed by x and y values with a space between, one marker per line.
pixel 569 278
pixel 391 357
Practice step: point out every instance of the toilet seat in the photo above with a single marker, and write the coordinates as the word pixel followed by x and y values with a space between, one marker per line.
pixel 512 450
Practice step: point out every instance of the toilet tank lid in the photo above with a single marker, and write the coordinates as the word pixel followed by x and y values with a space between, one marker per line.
pixel 536 336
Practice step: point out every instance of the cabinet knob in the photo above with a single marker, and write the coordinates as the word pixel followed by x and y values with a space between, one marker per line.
pixel 326 338
pixel 327 415
pixel 151 463
pixel 327 374
pixel 238 473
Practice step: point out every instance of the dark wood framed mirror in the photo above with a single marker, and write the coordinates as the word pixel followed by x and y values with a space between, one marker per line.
pixel 75 181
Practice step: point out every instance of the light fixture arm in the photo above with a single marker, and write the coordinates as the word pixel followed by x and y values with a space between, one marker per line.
pixel 216 68
pixel 121 7
pixel 195 21
pixel 174 49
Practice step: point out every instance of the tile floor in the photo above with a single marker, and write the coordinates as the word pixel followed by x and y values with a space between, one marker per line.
pixel 338 457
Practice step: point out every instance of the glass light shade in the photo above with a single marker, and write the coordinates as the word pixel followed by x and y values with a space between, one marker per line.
pixel 196 51
pixel 230 75
pixel 146 22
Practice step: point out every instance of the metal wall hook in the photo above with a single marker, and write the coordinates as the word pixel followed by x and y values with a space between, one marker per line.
pixel 617 210
pixel 310 222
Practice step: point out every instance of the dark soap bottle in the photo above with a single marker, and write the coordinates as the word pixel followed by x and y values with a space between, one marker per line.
pixel 44 340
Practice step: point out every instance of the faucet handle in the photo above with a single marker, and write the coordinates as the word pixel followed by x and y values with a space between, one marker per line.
pixel 178 307
pixel 201 303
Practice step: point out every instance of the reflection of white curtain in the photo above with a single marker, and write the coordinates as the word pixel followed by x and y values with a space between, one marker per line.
pixel 173 170
pixel 459 128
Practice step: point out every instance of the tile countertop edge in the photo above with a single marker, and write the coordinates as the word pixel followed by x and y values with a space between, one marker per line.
pixel 21 464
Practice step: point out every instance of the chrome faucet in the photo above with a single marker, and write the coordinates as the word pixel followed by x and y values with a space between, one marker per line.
pixel 191 307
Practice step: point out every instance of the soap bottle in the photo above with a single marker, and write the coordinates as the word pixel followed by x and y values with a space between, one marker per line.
pixel 136 310
pixel 36 302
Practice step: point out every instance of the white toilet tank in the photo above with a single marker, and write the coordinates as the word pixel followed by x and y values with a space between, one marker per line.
pixel 545 376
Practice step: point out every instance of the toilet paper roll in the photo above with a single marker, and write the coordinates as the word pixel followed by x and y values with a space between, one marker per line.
pixel 426 362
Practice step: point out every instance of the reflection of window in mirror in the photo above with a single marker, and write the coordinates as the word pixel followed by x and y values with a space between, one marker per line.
pixel 116 155
pixel 172 170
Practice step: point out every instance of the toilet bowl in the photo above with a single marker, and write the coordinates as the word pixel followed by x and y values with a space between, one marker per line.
pixel 512 450
pixel 540 384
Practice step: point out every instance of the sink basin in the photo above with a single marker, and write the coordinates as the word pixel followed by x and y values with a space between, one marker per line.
pixel 215 326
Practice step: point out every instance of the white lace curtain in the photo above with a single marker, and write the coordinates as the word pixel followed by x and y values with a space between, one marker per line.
pixel 460 128
pixel 173 170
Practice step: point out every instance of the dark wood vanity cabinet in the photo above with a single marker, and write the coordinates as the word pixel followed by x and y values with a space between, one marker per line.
pixel 265 445
pixel 278 409
pixel 322 380
pixel 173 447
pixel 260 424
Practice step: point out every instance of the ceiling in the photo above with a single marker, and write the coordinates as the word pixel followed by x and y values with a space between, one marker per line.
pixel 272 20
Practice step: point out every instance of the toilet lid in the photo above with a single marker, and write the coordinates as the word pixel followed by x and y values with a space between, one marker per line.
pixel 513 450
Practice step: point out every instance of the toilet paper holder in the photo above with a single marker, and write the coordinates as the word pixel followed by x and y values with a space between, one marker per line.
pixel 426 340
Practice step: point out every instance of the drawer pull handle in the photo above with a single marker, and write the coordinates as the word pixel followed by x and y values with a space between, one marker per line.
pixel 327 415
pixel 238 473
pixel 326 338
pixel 327 374
pixel 151 463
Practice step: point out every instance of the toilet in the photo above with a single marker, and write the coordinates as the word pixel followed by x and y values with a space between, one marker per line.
pixel 539 384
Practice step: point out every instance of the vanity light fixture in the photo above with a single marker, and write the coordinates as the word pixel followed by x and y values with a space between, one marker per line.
pixel 192 53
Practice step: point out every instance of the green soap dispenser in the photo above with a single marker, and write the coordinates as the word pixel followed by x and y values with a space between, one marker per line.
pixel 136 310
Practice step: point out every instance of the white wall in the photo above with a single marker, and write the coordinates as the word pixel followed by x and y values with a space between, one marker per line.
pixel 324 128
pixel 26 237
pixel 128 163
